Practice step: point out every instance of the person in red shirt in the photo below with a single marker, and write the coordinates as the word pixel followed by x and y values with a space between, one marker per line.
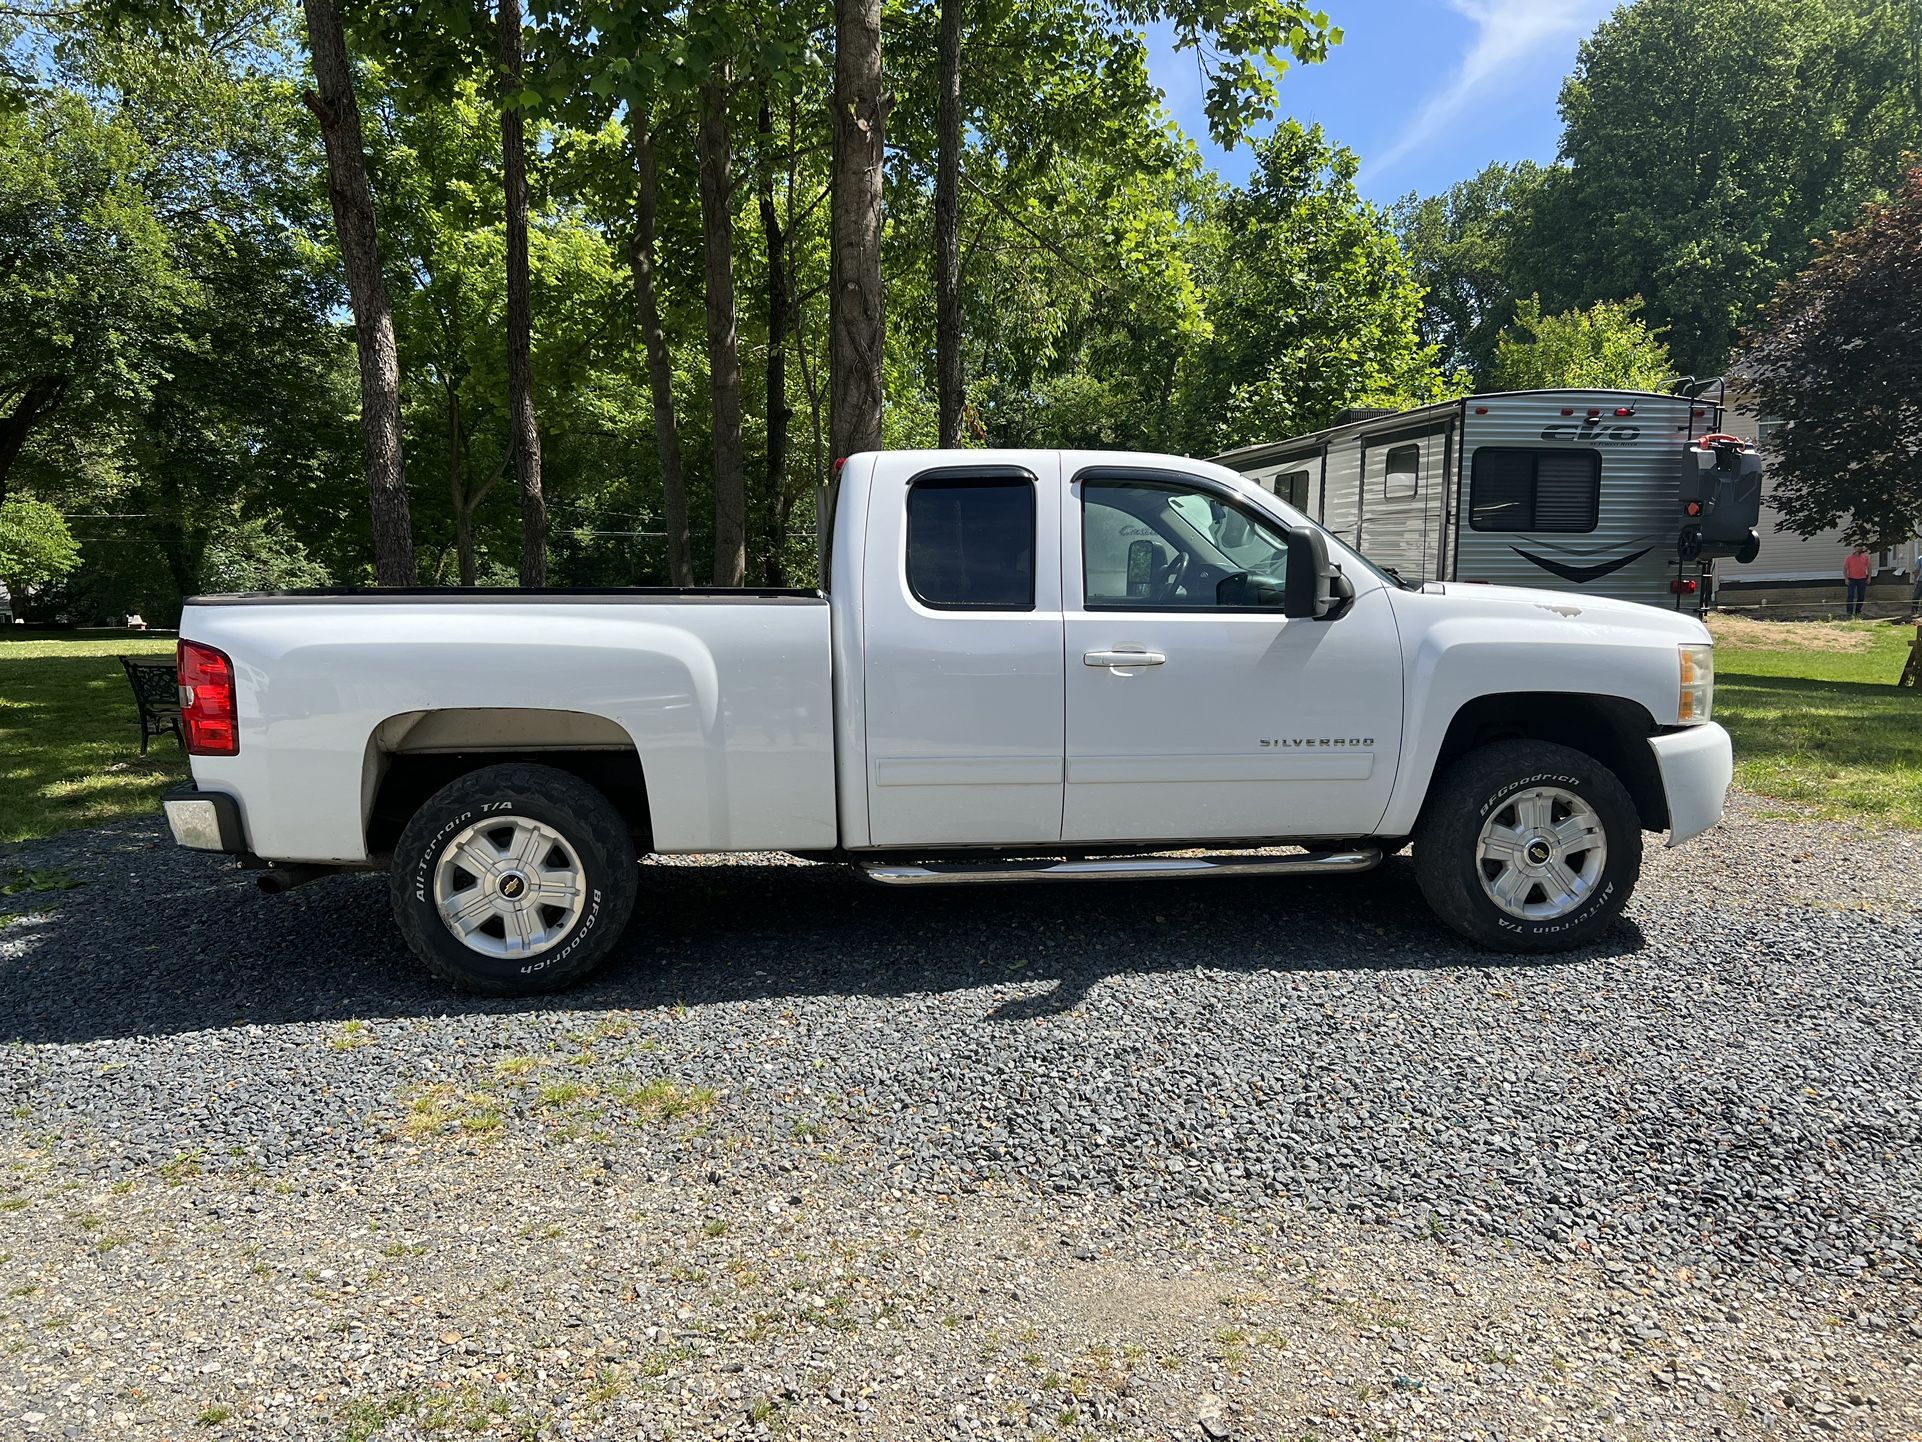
pixel 1855 581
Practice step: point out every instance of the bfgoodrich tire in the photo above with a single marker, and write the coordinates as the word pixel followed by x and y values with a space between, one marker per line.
pixel 514 880
pixel 1526 846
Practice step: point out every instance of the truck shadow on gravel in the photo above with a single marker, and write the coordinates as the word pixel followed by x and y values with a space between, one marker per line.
pixel 159 941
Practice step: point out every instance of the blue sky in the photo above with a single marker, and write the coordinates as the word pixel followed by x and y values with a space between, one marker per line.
pixel 1427 92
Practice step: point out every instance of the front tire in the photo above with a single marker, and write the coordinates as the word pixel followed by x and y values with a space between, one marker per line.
pixel 514 880
pixel 1526 846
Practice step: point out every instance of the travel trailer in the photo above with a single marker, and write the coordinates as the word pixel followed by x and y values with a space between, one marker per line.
pixel 1630 494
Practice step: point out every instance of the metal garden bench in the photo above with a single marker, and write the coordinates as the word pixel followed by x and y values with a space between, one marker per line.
pixel 156 690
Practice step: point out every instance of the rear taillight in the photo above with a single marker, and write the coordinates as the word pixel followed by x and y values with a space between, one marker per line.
pixel 1684 586
pixel 207 701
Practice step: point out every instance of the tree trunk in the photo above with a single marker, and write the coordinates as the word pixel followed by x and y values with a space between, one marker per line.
pixel 457 488
pixel 949 385
pixel 817 432
pixel 723 349
pixel 36 402
pixel 779 413
pixel 1914 11
pixel 524 430
pixel 353 205
pixel 660 364
pixel 464 544
pixel 856 322
pixel 176 544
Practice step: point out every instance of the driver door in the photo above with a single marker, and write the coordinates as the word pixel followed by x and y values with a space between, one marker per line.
pixel 1197 710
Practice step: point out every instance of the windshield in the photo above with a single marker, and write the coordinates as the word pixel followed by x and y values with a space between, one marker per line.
pixel 1346 553
pixel 1238 540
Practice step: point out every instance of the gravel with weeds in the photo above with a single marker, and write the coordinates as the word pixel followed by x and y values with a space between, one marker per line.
pixel 1243 1160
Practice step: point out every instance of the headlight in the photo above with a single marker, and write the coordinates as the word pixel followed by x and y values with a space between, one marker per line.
pixel 1698 684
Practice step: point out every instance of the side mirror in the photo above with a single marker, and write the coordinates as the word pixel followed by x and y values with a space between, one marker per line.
pixel 1141 568
pixel 1317 590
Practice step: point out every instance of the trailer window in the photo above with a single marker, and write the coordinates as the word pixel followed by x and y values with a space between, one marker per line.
pixel 1535 490
pixel 1401 476
pixel 1292 487
pixel 971 543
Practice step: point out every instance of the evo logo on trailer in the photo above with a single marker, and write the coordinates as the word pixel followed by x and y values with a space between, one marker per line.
pixel 1591 431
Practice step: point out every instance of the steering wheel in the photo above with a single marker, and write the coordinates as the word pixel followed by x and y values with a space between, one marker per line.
pixel 1171 577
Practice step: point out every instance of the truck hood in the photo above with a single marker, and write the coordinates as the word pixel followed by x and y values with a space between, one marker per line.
pixel 1457 598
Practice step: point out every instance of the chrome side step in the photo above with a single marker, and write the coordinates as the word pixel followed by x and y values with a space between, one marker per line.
pixel 1140 868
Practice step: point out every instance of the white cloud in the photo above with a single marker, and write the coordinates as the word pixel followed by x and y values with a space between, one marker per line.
pixel 1508 34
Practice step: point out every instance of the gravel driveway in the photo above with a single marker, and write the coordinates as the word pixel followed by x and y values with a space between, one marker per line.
pixel 1261 1159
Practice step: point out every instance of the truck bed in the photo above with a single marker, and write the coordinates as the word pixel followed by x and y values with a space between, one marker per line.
pixel 593 595
pixel 725 696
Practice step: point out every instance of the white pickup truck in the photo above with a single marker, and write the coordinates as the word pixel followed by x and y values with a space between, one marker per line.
pixel 1028 664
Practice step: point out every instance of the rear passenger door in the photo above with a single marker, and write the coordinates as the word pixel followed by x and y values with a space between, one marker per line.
pixel 962 634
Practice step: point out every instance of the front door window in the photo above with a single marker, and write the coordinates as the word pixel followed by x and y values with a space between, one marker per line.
pixel 1151 545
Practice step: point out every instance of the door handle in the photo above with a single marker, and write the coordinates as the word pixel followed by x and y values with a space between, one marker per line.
pixel 1124 658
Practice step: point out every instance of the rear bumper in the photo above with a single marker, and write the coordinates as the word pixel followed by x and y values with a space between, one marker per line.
pixel 204 820
pixel 1696 765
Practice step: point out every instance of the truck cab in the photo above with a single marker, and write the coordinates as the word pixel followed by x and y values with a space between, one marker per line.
pixel 1050 664
pixel 1088 649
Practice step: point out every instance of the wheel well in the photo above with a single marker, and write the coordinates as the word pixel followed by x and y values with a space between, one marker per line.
pixel 407 779
pixel 1613 731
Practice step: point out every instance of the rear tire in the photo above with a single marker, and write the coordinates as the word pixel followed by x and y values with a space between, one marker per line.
pixel 1526 846
pixel 514 880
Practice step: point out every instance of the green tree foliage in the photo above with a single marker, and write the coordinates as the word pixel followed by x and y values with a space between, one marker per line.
pixel 1838 356
pixel 1075 276
pixel 257 553
pixel 1312 305
pixel 1608 346
pixel 1113 292
pixel 437 162
pixel 35 544
pixel 177 295
pixel 1038 83
pixel 1242 51
pixel 1706 143
pixel 1465 248
pixel 91 286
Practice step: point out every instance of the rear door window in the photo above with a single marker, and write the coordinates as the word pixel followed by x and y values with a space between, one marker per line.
pixel 971 543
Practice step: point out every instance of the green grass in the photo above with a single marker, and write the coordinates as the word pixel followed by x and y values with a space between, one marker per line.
pixel 69 738
pixel 1818 719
